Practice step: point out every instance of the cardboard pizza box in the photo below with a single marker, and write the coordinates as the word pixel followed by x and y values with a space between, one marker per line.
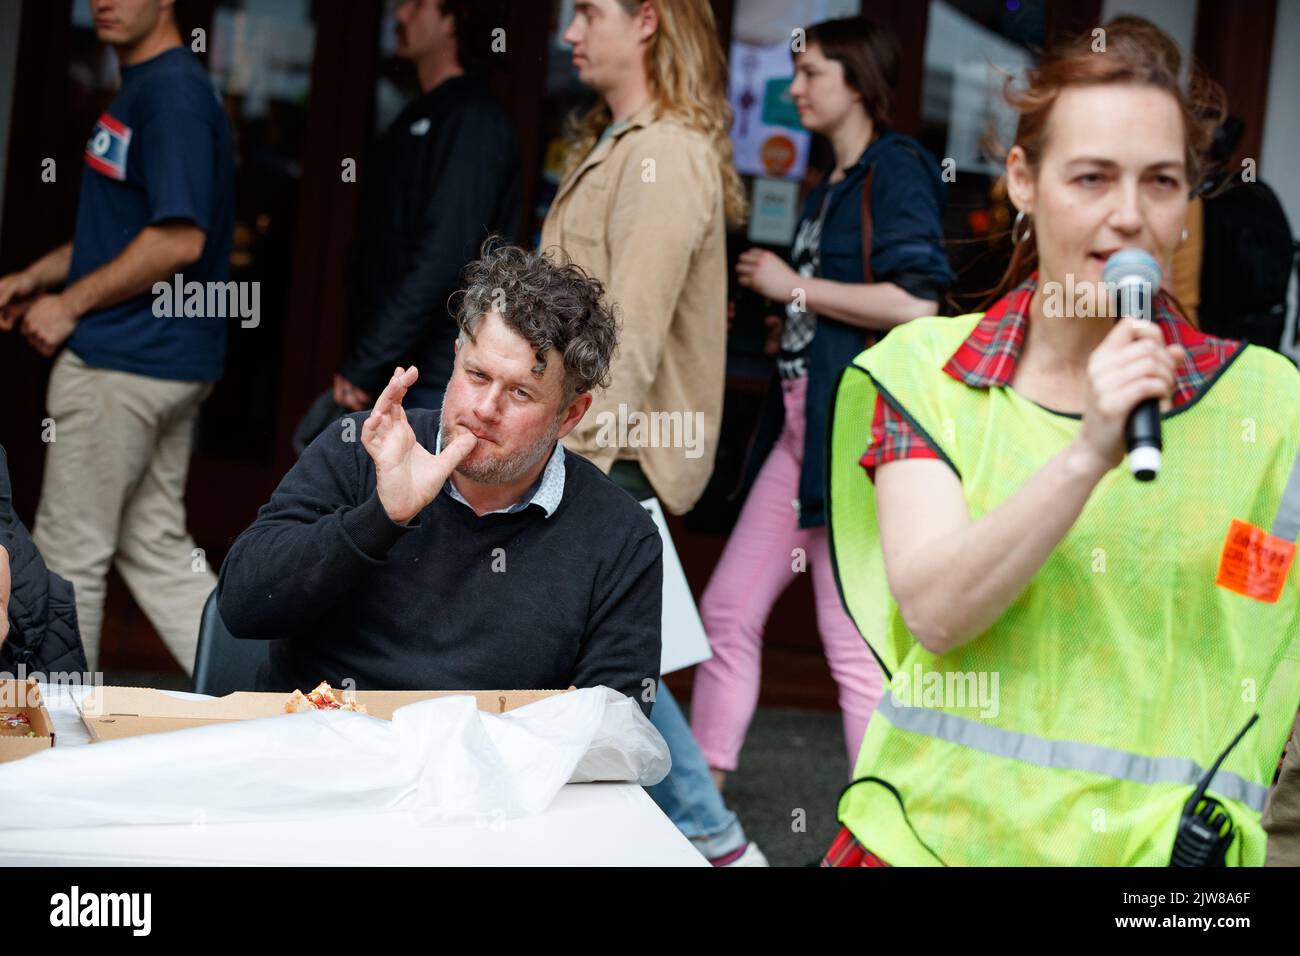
pixel 113 712
pixel 23 698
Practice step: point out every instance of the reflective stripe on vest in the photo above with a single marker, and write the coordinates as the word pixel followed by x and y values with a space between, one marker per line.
pixel 1066 754
pixel 1287 523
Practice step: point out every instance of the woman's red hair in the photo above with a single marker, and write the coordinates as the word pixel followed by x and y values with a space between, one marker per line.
pixel 1131 51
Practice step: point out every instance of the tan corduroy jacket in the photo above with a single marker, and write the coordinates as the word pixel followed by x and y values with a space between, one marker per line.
pixel 643 214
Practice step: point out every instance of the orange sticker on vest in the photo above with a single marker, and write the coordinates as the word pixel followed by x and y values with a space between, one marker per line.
pixel 1254 562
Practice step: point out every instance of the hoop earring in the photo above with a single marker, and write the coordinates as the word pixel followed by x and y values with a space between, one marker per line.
pixel 1015 226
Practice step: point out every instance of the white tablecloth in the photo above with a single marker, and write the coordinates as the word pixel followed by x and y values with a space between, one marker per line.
pixel 588 824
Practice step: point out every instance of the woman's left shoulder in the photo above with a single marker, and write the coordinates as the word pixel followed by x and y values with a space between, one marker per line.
pixel 1267 377
pixel 1275 364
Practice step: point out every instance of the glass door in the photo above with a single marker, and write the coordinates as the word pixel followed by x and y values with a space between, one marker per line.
pixel 971 47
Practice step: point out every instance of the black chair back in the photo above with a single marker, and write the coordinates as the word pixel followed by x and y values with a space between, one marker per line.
pixel 224 663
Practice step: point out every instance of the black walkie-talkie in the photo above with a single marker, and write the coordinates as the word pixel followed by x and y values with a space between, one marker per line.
pixel 1205 829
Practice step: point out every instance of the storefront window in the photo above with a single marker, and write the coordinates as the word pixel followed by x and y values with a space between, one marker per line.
pixel 971 48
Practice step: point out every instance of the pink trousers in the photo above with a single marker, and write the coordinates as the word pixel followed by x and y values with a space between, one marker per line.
pixel 764 553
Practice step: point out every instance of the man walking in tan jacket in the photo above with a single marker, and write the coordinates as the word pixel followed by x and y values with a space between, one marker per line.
pixel 644 207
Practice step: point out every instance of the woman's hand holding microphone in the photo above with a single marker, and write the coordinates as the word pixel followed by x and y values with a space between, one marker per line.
pixel 1131 364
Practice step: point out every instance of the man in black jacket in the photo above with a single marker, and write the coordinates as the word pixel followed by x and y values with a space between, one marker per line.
pixel 466 550
pixel 38 616
pixel 447 176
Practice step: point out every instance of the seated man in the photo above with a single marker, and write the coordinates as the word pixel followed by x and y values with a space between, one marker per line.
pixel 464 550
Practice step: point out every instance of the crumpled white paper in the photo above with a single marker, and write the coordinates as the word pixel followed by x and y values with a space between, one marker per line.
pixel 444 759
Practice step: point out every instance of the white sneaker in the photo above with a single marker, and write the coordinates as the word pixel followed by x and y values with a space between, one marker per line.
pixel 752 856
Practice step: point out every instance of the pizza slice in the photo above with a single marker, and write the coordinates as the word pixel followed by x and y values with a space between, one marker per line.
pixel 19 723
pixel 322 698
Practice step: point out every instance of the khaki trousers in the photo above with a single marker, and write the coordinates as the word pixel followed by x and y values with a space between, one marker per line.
pixel 113 494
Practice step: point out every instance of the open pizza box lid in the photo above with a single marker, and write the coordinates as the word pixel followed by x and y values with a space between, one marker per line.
pixel 113 712
pixel 24 697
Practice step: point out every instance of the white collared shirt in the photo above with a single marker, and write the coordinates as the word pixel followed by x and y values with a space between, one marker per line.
pixel 546 492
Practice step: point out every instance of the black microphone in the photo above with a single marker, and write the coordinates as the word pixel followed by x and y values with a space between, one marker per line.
pixel 1135 276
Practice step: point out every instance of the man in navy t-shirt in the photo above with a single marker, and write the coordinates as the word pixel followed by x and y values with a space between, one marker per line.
pixel 156 213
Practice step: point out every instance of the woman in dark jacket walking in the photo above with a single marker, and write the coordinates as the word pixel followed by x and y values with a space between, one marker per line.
pixel 867 256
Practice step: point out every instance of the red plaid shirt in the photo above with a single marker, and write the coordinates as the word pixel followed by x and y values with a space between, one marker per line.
pixel 990 353
pixel 846 851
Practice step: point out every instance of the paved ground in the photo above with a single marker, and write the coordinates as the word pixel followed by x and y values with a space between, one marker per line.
pixel 791 772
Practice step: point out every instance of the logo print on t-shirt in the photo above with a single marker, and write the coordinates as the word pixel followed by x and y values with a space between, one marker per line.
pixel 106 149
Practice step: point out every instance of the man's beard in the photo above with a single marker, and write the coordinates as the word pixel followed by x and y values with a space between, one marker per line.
pixel 502 470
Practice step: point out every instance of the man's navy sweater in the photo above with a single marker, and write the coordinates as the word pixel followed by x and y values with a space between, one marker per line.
pixel 450 601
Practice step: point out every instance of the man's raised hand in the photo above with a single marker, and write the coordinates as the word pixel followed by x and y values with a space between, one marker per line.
pixel 407 475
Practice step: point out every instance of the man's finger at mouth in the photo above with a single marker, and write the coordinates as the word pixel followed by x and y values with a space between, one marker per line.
pixel 460 446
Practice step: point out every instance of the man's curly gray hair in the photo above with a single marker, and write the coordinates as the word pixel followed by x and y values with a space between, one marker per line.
pixel 551 303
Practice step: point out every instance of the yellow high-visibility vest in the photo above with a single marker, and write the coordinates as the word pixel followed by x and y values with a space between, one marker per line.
pixel 1075 728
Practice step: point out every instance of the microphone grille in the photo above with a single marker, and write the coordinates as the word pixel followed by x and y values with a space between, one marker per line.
pixel 1132 263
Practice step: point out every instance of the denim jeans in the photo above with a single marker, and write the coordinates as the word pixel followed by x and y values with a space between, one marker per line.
pixel 687 795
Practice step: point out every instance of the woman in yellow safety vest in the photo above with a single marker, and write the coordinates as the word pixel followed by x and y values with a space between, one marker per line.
pixel 1070 651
